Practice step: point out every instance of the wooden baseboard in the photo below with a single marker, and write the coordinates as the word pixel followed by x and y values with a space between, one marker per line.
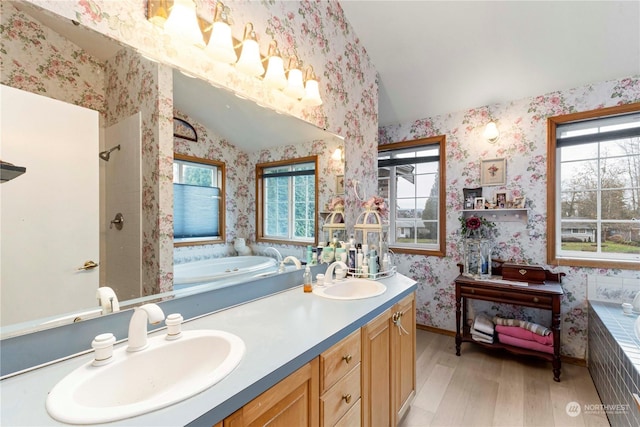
pixel 565 359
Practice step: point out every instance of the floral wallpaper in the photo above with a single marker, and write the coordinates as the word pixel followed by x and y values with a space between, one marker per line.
pixel 316 32
pixel 522 143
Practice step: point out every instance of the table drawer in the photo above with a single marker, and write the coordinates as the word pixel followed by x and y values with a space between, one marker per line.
pixel 340 398
pixel 517 296
pixel 339 360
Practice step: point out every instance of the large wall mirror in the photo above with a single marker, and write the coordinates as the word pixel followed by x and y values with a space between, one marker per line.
pixel 53 57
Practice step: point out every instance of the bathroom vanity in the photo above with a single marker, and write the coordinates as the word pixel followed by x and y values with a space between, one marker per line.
pixel 297 347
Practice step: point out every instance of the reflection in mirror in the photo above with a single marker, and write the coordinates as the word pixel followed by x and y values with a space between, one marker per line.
pixel 51 57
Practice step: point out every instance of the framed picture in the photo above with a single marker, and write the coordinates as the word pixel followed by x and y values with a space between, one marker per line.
pixel 469 196
pixel 493 172
pixel 501 200
pixel 519 202
pixel 478 203
pixel 339 184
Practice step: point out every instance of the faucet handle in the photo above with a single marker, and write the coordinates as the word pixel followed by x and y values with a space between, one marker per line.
pixel 103 347
pixel 174 323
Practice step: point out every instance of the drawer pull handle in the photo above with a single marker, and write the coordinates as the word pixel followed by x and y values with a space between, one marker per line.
pixel 347 398
pixel 522 271
pixel 473 291
pixel 347 359
pixel 535 299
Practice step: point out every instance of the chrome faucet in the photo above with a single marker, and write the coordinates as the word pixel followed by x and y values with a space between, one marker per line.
pixel 328 275
pixel 291 258
pixel 278 254
pixel 138 325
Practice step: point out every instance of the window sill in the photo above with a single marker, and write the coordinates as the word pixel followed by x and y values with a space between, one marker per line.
pixel 417 251
pixel 595 263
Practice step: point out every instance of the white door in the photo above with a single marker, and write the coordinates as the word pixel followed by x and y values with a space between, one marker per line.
pixel 49 215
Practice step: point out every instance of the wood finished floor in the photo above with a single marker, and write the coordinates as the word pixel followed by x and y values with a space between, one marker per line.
pixel 494 388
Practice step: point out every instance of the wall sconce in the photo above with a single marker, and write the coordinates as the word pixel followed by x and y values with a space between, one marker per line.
pixel 311 92
pixel 295 85
pixel 220 45
pixel 491 132
pixel 183 22
pixel 250 62
pixel 338 155
pixel 275 77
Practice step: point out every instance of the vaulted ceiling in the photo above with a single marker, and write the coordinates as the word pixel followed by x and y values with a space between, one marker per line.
pixel 436 57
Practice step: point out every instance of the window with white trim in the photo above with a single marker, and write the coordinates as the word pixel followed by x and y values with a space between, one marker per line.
pixel 597 190
pixel 287 200
pixel 411 180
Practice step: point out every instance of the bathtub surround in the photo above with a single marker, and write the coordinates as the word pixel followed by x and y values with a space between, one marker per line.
pixel 614 361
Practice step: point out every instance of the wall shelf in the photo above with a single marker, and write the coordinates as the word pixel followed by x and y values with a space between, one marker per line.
pixel 503 215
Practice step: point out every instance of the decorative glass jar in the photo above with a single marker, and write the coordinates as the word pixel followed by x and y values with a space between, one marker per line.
pixel 477 257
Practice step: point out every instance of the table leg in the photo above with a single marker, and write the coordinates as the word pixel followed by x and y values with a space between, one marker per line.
pixel 458 332
pixel 555 326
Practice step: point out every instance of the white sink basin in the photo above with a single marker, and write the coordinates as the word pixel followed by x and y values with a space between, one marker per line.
pixel 351 289
pixel 164 373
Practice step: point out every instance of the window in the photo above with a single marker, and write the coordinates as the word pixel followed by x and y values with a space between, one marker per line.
pixel 287 200
pixel 198 200
pixel 411 177
pixel 594 188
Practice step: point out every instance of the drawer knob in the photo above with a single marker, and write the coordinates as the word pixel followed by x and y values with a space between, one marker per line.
pixel 346 398
pixel 535 299
pixel 347 359
pixel 473 291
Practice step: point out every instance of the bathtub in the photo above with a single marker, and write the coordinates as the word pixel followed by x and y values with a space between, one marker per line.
pixel 222 270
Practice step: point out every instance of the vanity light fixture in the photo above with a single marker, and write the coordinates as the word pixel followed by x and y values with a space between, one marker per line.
pixel 183 22
pixel 491 132
pixel 220 45
pixel 311 92
pixel 275 77
pixel 250 62
pixel 295 84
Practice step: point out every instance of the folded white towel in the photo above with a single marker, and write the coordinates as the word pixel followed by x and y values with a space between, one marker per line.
pixel 481 334
pixel 482 339
pixel 484 324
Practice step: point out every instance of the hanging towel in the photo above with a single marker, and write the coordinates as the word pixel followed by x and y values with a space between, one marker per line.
pixel 518 332
pixel 484 324
pixel 530 326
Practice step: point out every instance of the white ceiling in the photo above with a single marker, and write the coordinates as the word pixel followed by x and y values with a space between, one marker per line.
pixel 437 57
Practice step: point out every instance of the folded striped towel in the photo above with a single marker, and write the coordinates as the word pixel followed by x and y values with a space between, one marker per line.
pixel 529 326
pixel 484 324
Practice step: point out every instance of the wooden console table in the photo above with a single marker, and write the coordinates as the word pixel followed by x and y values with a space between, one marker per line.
pixel 545 295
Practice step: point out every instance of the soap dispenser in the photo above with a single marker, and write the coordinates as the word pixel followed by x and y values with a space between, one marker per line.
pixel 306 279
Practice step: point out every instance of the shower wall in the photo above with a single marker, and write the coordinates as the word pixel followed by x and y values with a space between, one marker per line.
pixel 122 191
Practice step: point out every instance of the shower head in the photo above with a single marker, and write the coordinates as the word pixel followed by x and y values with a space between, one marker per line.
pixel 105 155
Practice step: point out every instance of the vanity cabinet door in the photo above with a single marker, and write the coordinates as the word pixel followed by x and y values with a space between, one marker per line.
pixel 403 345
pixel 294 401
pixel 376 372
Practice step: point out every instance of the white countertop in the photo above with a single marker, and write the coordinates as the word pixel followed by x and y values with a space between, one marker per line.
pixel 282 332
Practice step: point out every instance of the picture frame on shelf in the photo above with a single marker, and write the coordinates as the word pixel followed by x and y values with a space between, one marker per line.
pixel 478 203
pixel 519 202
pixel 469 197
pixel 493 172
pixel 339 184
pixel 501 200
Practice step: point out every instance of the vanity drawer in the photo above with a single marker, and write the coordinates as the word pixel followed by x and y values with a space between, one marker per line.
pixel 335 403
pixel 339 360
pixel 353 417
pixel 519 296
